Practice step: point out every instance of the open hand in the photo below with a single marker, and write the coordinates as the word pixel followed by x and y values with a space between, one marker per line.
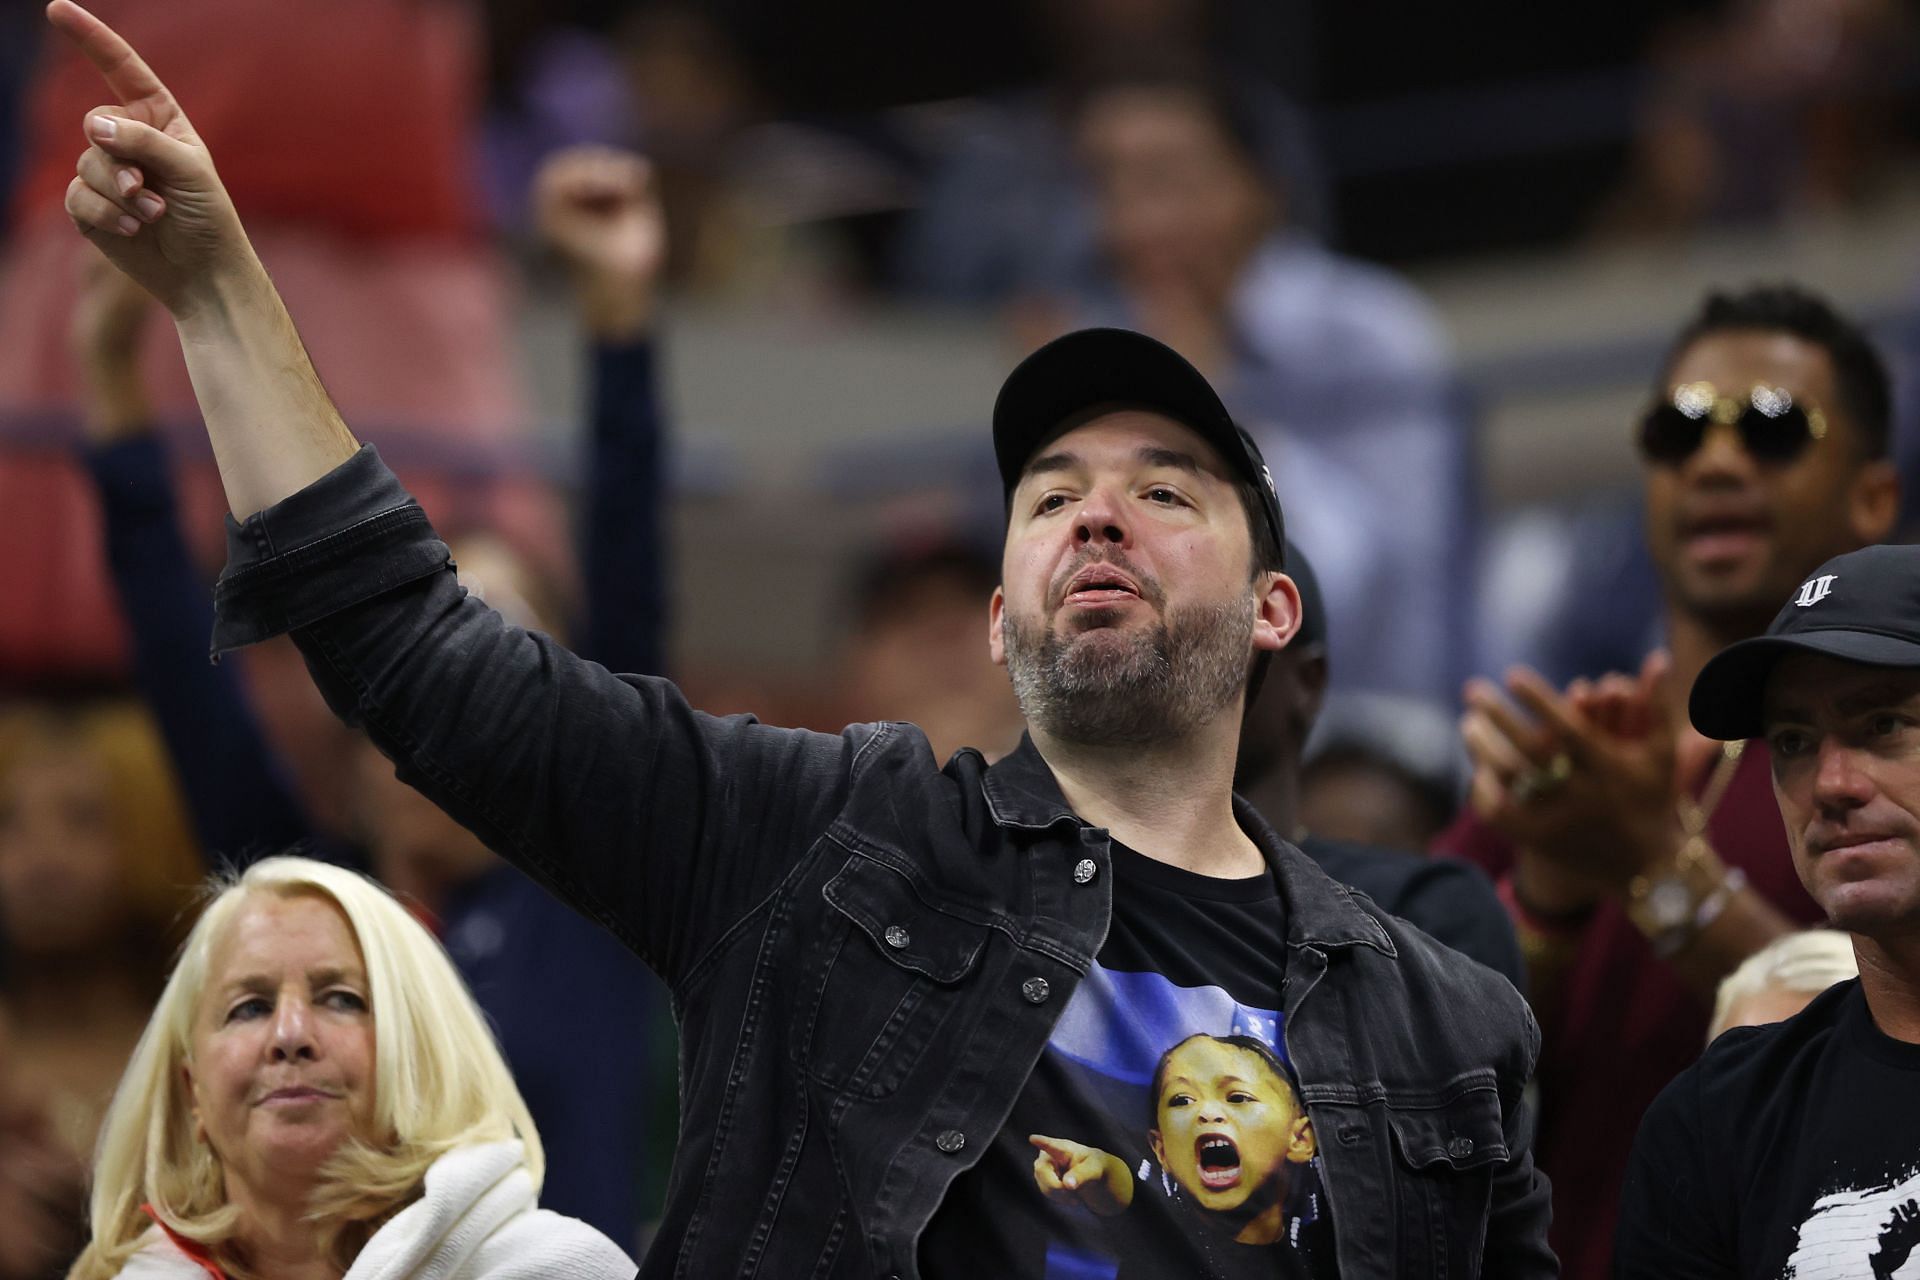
pixel 599 210
pixel 146 194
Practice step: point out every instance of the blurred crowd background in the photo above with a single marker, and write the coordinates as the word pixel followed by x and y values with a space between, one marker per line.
pixel 1431 258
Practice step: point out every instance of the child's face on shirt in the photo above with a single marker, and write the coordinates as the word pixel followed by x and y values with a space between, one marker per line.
pixel 1228 1124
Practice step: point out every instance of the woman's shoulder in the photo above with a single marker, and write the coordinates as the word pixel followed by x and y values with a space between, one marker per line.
pixel 478 1221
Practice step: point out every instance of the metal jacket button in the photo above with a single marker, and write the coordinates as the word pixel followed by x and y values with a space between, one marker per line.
pixel 897 937
pixel 1085 870
pixel 950 1140
pixel 1036 990
pixel 1460 1148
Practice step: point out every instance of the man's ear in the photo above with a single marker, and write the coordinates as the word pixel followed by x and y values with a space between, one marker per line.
pixel 996 624
pixel 1873 503
pixel 1279 616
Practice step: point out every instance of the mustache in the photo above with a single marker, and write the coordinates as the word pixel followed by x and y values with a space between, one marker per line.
pixel 1150 589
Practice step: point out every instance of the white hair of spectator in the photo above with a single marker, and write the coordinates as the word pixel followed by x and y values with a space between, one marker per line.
pixel 1804 963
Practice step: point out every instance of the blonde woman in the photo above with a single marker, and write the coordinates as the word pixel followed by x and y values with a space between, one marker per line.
pixel 316 1097
pixel 1782 978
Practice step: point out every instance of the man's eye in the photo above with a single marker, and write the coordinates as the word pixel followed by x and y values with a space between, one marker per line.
pixel 1785 743
pixel 1163 496
pixel 1052 502
pixel 1886 724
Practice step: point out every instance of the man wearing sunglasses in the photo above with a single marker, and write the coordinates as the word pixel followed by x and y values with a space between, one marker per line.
pixel 1642 862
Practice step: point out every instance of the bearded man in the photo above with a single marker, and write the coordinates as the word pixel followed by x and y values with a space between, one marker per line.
pixel 896 979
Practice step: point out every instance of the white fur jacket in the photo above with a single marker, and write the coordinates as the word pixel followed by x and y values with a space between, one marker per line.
pixel 476 1221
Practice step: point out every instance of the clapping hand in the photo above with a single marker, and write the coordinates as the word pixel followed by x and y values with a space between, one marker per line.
pixel 599 210
pixel 1583 779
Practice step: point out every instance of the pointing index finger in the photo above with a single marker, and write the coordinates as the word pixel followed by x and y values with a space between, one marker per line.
pixel 125 72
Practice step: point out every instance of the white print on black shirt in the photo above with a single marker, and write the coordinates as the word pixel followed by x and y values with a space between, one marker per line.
pixel 1867 1234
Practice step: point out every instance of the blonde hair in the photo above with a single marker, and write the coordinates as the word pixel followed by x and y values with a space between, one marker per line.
pixel 439 1082
pixel 1806 962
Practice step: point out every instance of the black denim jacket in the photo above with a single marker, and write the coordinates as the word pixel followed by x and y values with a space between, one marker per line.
pixel 850 931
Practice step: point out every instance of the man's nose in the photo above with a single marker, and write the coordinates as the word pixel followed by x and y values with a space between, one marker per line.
pixel 1722 456
pixel 1099 520
pixel 1840 783
pixel 293 1037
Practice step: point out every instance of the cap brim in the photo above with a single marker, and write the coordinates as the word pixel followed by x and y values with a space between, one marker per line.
pixel 1091 367
pixel 1727 698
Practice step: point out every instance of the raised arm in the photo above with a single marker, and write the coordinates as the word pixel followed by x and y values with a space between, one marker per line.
pixel 664 824
pixel 242 803
pixel 598 209
pixel 148 197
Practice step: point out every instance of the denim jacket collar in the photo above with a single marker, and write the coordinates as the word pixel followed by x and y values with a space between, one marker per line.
pixel 1021 792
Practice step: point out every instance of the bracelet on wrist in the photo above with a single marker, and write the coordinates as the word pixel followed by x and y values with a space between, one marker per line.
pixel 1671 906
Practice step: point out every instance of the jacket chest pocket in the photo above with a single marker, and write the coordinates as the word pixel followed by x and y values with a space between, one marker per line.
pixel 882 979
pixel 1445 1158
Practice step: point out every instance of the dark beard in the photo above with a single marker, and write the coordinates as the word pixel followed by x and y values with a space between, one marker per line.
pixel 1102 687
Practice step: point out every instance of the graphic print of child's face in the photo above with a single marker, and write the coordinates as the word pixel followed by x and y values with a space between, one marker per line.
pixel 1227 1123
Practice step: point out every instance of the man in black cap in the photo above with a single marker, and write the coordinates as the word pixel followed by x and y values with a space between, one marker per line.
pixel 1794 1149
pixel 1075 1013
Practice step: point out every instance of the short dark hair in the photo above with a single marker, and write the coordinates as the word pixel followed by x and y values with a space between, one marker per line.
pixel 1268 554
pixel 1860 375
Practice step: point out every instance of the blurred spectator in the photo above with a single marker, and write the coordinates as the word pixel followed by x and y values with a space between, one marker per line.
pixel 749 200
pixel 1338 368
pixel 1008 210
pixel 919 649
pixel 1452 902
pixel 363 199
pixel 1762 109
pixel 1641 862
pixel 522 953
pixel 96 863
pixel 1781 978
pixel 1356 790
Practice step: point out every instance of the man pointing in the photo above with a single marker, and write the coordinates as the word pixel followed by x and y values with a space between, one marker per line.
pixel 891 975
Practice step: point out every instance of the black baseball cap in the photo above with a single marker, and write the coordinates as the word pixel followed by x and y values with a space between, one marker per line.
pixel 1861 607
pixel 1092 367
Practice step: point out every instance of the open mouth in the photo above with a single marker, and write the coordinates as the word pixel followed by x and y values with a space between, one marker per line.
pixel 1100 584
pixel 1724 536
pixel 1219 1161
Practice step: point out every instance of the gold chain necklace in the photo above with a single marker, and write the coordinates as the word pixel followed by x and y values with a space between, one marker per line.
pixel 1695 814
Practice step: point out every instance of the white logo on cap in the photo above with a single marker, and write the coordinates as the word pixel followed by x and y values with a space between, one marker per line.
pixel 1266 473
pixel 1814 590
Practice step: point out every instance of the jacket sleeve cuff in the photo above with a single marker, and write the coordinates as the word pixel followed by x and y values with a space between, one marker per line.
pixel 350 536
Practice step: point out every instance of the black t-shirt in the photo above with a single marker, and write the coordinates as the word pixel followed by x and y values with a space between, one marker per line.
pixel 1167 1073
pixel 1790 1150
